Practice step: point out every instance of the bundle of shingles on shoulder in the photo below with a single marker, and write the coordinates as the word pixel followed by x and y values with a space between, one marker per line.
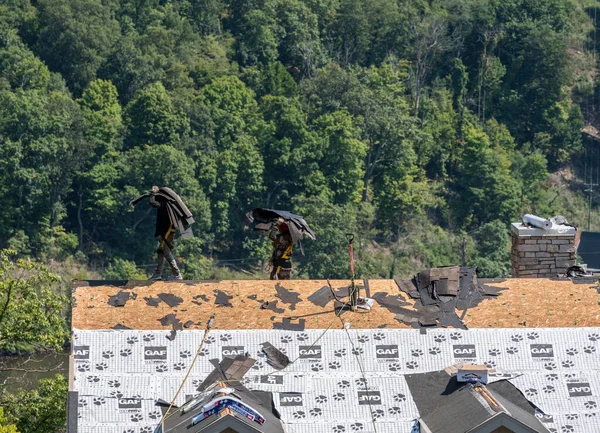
pixel 438 294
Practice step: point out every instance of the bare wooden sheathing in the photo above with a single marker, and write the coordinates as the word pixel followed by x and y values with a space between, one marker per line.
pixel 308 304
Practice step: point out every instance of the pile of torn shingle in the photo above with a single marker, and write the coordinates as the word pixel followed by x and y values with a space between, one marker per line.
pixel 439 293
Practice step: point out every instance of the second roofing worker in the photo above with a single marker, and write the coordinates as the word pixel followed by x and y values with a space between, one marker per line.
pixel 281 260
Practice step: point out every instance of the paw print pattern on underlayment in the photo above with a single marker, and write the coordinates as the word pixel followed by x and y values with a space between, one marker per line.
pixel 549 389
pixel 551 377
pixel 344 384
pixel 93 379
pixel 161 368
pixel 321 399
pixel 210 339
pixel 358 351
pixel 258 365
pixel 146 429
pixel 316 412
pixel 435 351
pixel 416 352
pixel 567 364
pixel 394 366
pixel 494 352
pixel 357 426
pixel 590 405
pixel 456 335
pixel 360 382
pixel 101 366
pixel 363 338
pixel 395 410
pixel 490 364
pixel 82 402
pixel 316 366
pixel 114 383
pixel 132 340
pixel 572 416
pixel 226 337
pixel 148 337
pixel 83 367
pixel 303 336
pixel 286 339
pixel 338 429
pixel 531 392
pixel 516 338
pixel 595 336
pixel 439 338
pixel 136 417
pixel 399 398
pixel 179 366
pixel 338 396
pixel 125 352
pixel 185 354
pixel 299 415
pixel 379 336
pixel 116 394
pixel 533 335
pixel 412 365
pixel 203 352
pixel 378 413
pixel 154 414
pixel 567 429
pixel 335 365
pixel 550 365
pixel 512 350
pixel 339 353
pixel 589 349
pixel 572 351
pixel 107 354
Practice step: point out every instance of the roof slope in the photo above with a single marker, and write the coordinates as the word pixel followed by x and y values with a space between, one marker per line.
pixel 308 304
pixel 339 381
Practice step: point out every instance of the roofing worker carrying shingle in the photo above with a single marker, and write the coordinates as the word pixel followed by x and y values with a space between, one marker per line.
pixel 172 215
pixel 284 229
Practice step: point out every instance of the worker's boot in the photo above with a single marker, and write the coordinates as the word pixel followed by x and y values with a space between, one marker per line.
pixel 176 273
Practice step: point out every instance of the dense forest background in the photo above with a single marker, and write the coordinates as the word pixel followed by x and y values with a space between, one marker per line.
pixel 424 127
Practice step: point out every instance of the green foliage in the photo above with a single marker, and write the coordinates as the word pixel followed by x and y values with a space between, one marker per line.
pixel 407 122
pixel 31 308
pixel 493 250
pixel 123 270
pixel 38 410
pixel 5 427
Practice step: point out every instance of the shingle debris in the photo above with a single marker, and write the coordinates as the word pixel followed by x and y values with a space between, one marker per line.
pixel 438 293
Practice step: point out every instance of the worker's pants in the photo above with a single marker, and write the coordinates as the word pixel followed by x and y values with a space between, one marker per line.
pixel 164 252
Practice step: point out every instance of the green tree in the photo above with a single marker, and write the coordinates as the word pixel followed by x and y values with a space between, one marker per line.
pixel 38 410
pixel 152 118
pixel 74 37
pixel 5 427
pixel 31 306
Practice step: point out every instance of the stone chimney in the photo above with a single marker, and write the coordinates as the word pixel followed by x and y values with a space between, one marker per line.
pixel 542 253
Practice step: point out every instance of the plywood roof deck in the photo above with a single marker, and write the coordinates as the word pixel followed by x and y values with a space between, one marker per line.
pixel 529 303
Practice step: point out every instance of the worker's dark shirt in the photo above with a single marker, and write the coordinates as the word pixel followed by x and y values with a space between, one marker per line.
pixel 163 222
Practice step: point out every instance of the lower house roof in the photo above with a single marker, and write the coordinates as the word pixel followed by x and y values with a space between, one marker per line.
pixel 339 380
pixel 308 304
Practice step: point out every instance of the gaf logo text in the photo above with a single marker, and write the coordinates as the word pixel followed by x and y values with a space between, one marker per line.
pixel 290 399
pixel 371 397
pixel 310 352
pixel 385 351
pixel 130 403
pixel 155 353
pixel 81 352
pixel 542 351
pixel 581 389
pixel 233 351
pixel 272 379
pixel 464 351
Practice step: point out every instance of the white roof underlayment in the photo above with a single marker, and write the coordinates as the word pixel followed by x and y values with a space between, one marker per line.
pixel 340 380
